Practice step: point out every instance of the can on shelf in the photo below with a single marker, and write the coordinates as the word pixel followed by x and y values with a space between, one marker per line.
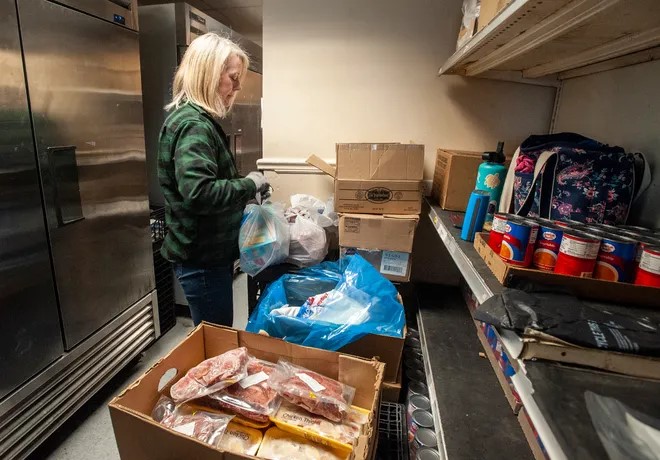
pixel 642 243
pixel 518 242
pixel 616 257
pixel 648 272
pixel 417 402
pixel 427 453
pixel 417 388
pixel 547 247
pixel 424 438
pixel 577 254
pixel 419 419
pixel 497 231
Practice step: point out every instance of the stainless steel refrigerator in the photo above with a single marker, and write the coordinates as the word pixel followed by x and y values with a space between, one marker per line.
pixel 76 275
pixel 165 33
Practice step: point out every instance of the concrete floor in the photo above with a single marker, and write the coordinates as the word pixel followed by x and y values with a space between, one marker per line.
pixel 88 434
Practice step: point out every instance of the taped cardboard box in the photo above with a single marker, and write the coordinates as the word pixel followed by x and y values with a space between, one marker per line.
pixel 393 265
pixel 488 10
pixel 138 436
pixel 388 232
pixel 373 196
pixel 454 178
pixel 380 161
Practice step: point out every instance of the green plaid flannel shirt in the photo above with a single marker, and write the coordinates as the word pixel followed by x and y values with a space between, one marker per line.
pixel 204 194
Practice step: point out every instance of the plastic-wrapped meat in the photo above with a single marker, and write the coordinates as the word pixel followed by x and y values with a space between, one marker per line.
pixel 211 375
pixel 205 426
pixel 314 392
pixel 252 397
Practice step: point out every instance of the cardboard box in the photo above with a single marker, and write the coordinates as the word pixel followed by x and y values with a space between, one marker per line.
pixel 386 349
pixel 393 265
pixel 378 197
pixel 587 288
pixel 380 161
pixel 466 32
pixel 140 437
pixel 391 392
pixel 373 196
pixel 488 9
pixel 454 178
pixel 389 232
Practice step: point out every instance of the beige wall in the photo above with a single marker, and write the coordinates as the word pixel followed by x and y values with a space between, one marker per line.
pixel 366 71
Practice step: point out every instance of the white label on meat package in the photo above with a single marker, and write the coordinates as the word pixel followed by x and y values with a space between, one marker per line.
pixel 188 429
pixel 313 384
pixel 253 379
pixel 394 263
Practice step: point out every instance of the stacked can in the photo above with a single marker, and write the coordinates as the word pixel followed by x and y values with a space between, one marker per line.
pixel 547 246
pixel 419 419
pixel 616 257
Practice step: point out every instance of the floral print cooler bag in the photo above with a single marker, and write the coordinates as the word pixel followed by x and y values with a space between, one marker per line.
pixel 569 176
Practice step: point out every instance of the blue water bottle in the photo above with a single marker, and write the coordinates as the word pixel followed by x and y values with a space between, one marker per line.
pixel 475 214
pixel 490 178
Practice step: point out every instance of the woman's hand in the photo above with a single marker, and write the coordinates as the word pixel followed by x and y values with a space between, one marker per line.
pixel 258 178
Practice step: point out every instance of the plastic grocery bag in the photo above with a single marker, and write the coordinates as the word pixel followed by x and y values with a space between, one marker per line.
pixel 309 244
pixel 357 301
pixel 264 237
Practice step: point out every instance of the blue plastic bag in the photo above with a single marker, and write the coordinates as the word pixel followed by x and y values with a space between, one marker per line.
pixel 357 301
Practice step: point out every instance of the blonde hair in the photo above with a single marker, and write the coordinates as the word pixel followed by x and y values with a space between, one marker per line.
pixel 198 77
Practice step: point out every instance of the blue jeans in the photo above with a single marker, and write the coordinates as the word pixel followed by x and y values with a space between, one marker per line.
pixel 209 292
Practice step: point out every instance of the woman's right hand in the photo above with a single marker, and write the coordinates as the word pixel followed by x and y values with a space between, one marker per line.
pixel 259 180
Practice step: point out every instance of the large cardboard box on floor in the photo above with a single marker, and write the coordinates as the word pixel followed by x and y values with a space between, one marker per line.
pixel 140 437
pixel 454 178
pixel 372 194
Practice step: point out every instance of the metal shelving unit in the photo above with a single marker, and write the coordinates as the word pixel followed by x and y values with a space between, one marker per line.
pixel 558 39
pixel 483 285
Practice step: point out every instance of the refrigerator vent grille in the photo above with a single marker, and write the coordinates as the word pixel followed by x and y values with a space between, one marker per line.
pixel 38 415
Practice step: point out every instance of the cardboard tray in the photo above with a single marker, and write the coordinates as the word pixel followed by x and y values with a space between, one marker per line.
pixel 586 288
pixel 139 436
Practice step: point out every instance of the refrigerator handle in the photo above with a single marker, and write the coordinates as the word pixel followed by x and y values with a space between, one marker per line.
pixel 66 186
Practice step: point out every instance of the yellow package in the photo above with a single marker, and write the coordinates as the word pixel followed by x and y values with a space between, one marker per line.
pixel 240 439
pixel 339 435
pixel 279 445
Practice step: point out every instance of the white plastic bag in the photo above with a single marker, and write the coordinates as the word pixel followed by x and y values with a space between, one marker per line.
pixel 264 237
pixel 309 244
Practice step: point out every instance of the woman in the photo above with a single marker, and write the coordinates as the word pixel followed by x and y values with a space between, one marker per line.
pixel 204 194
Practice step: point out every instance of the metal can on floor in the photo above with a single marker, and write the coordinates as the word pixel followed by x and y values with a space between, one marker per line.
pixel 417 402
pixel 648 272
pixel 518 242
pixel 426 453
pixel 497 231
pixel 417 388
pixel 412 353
pixel 547 247
pixel 577 254
pixel 418 420
pixel 424 438
pixel 616 257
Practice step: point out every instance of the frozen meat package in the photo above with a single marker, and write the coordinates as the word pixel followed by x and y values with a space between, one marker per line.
pixel 279 445
pixel 211 375
pixel 208 427
pixel 252 397
pixel 312 391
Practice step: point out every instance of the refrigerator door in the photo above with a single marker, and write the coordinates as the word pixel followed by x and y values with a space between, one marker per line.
pixel 30 334
pixel 83 78
pixel 246 137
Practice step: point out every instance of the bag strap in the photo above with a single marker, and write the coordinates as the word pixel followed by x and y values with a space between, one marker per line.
pixel 510 176
pixel 642 175
pixel 507 191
